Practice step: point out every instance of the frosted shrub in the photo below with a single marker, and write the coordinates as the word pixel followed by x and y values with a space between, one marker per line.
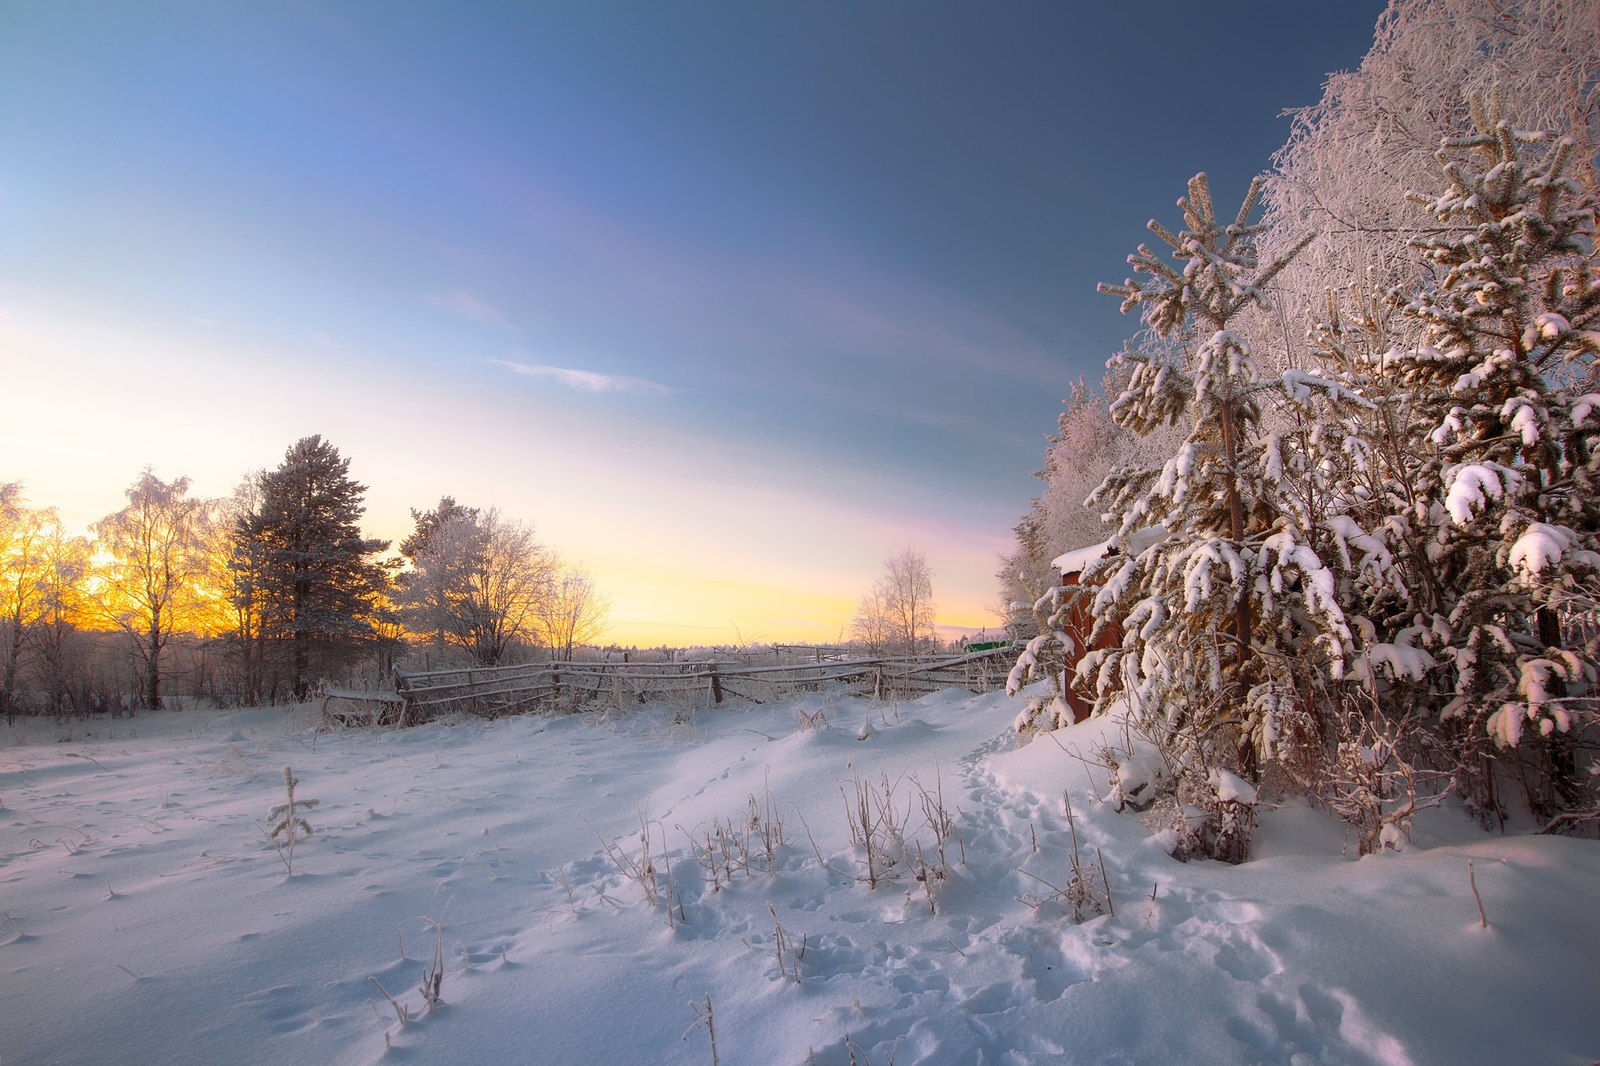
pixel 812 721
pixel 880 832
pixel 877 828
pixel 1136 781
pixel 1378 777
pixel 1087 892
pixel 1041 713
pixel 746 842
pixel 658 885
pixel 1209 816
pixel 432 983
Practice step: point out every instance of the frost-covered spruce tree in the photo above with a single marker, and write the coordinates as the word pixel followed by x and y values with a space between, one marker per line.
pixel 1228 615
pixel 1369 468
pixel 1505 388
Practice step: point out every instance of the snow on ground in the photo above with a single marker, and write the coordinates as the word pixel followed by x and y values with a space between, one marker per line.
pixel 147 919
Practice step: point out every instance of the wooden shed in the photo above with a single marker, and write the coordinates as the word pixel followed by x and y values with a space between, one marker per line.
pixel 1080 624
pixel 1081 617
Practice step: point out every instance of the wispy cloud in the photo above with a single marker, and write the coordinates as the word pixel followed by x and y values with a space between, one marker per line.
pixel 586 380
pixel 463 303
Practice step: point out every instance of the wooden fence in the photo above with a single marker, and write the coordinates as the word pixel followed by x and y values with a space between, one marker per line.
pixel 494 691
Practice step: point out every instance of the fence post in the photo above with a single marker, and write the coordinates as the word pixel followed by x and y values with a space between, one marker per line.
pixel 716 684
pixel 402 688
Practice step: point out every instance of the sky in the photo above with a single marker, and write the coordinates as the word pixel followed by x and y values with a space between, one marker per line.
pixel 729 301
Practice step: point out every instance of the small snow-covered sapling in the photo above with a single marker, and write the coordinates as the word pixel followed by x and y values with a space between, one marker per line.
pixel 286 818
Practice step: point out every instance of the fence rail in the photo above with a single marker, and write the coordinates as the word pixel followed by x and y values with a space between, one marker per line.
pixel 494 691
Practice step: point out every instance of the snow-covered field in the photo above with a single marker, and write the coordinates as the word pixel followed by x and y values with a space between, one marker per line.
pixel 148 919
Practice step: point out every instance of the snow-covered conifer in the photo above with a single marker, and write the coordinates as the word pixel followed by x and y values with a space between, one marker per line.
pixel 309 562
pixel 1229 616
pixel 1503 386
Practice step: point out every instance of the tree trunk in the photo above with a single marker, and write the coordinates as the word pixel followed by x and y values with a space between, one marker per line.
pixel 302 665
pixel 1241 604
pixel 8 686
pixel 1564 787
pixel 152 689
pixel 1241 607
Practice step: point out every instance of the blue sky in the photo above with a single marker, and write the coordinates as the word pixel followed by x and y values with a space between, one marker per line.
pixel 730 300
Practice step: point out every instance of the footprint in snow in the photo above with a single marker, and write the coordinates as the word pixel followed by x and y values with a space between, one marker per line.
pixel 1245 958
pixel 1314 1025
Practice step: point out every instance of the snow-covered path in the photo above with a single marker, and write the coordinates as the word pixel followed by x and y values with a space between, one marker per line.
pixel 146 919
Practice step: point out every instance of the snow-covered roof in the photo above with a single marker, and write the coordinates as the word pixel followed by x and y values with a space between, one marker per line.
pixel 1074 561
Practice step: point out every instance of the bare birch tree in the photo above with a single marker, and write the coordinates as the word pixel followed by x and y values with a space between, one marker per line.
pixel 477 581
pixel 571 611
pixel 22 531
pixel 153 554
pixel 870 626
pixel 906 592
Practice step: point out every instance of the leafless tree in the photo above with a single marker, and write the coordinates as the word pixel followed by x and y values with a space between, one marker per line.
pixel 57 639
pixel 870 626
pixel 430 590
pixel 1088 445
pixel 242 557
pixel 906 592
pixel 476 583
pixel 570 611
pixel 153 553
pixel 22 531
